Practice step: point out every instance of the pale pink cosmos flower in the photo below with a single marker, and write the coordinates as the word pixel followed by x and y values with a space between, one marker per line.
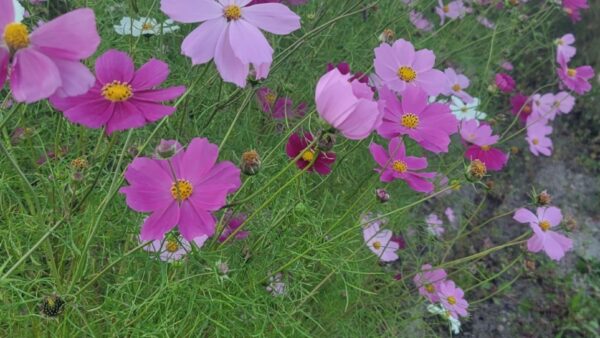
pixel 429 124
pixel 173 248
pixel 380 242
pixel 563 102
pixel 541 108
pixel 419 21
pixel 453 10
pixel 537 137
pixel 428 281
pixel 479 134
pixel 394 164
pixel 506 65
pixel 485 22
pixel 399 67
pixel 575 79
pixel 348 106
pixel 434 225
pixel 554 244
pixel 230 34
pixel 456 85
pixel 452 298
pixel 449 212
pixel 47 61
pixel 564 48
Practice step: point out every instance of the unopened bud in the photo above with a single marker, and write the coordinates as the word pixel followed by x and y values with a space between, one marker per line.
pixel 250 164
pixel 382 195
pixel 167 149
pixel 52 306
pixel 326 141
pixel 544 198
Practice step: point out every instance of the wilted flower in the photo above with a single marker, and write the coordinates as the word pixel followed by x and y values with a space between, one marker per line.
pixel 250 164
pixel 382 195
pixel 52 306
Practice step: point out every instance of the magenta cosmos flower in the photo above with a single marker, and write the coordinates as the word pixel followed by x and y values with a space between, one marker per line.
pixel 521 106
pixel 428 281
pixel 280 108
pixel 182 191
pixel 481 138
pixel 380 242
pixel 122 97
pixel 298 144
pixel 394 164
pixel 564 48
pixel 399 66
pixel 573 8
pixel 554 244
pixel 47 61
pixel 456 85
pixel 429 124
pixel 505 82
pixel 537 137
pixel 575 79
pixel 348 106
pixel 452 298
pixel 230 34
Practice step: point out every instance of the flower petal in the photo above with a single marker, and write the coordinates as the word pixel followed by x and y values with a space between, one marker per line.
pixel 189 11
pixel 250 44
pixel 34 76
pixel 195 223
pixel 201 44
pixel 76 78
pixel 273 18
pixel 114 65
pixel 160 222
pixel 150 74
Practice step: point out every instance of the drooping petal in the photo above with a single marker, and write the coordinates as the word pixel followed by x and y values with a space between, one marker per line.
pixel 229 66
pixel 160 222
pixel 34 76
pixel 189 11
pixel 150 110
pixel 92 113
pixel 201 44
pixel 71 36
pixel 114 65
pixel 273 18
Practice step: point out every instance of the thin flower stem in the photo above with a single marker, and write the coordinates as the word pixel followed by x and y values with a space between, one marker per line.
pixel 237 115
pixel 35 205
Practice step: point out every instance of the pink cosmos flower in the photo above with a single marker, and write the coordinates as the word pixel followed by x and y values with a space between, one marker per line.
pixel 521 106
pixel 47 61
pixel 280 108
pixel 482 139
pixel 449 212
pixel 429 281
pixel 173 248
pixel 380 242
pixel 453 10
pixel 573 7
pixel 563 103
pixel 456 85
pixel 452 298
pixel 399 67
pixel 539 142
pixel 506 65
pixel 182 191
pixel 122 97
pixel 230 34
pixel 232 223
pixel 347 106
pixel 575 79
pixel 554 244
pixel 564 48
pixel 479 134
pixel 394 164
pixel 485 22
pixel 297 144
pixel 419 21
pixel 434 225
pixel 505 82
pixel 542 109
pixel 429 124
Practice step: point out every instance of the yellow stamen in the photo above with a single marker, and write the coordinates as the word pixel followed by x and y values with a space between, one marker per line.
pixel 399 166
pixel 456 88
pixel 535 141
pixel 16 36
pixel 410 121
pixel 545 225
pixel 270 98
pixel 407 74
pixel 181 190
pixel 446 8
pixel 172 246
pixel 430 288
pixel 571 72
pixel 377 245
pixel 485 148
pixel 232 12
pixel 308 155
pixel 451 300
pixel 117 91
pixel 147 26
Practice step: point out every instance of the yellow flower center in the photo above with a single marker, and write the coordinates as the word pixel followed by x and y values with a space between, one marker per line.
pixel 451 300
pixel 181 190
pixel 571 72
pixel 399 166
pixel 232 12
pixel 308 155
pixel 545 225
pixel 446 8
pixel 477 168
pixel 410 121
pixel 172 246
pixel 117 91
pixel 147 26
pixel 430 288
pixel 456 88
pixel 16 36
pixel 407 74
pixel 535 141
pixel 270 98
pixel 485 148
pixel 464 110
pixel 377 245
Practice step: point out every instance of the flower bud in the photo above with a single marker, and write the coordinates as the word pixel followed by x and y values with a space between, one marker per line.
pixel 476 170
pixel 326 141
pixel 167 149
pixel 382 195
pixel 250 164
pixel 79 164
pixel 544 198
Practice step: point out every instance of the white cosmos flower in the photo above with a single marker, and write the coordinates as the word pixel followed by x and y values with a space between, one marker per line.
pixel 466 111
pixel 144 26
pixel 19 11
pixel 439 310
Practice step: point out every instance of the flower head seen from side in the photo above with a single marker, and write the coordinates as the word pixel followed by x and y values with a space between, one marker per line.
pixel 452 298
pixel 232 223
pixel 173 247
pixel 122 97
pixel 394 165
pixel 453 10
pixel 280 108
pixel 573 8
pixel 456 85
pixel 564 47
pixel 537 137
pixel 428 124
pixel 380 242
pixel 298 144
pixel 46 61
pixel 576 79
pixel 466 111
pixel 230 34
pixel 553 243
pixel 505 82
pixel 348 106
pixel 182 191
pixel 144 27
pixel 400 66
pixel 428 281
